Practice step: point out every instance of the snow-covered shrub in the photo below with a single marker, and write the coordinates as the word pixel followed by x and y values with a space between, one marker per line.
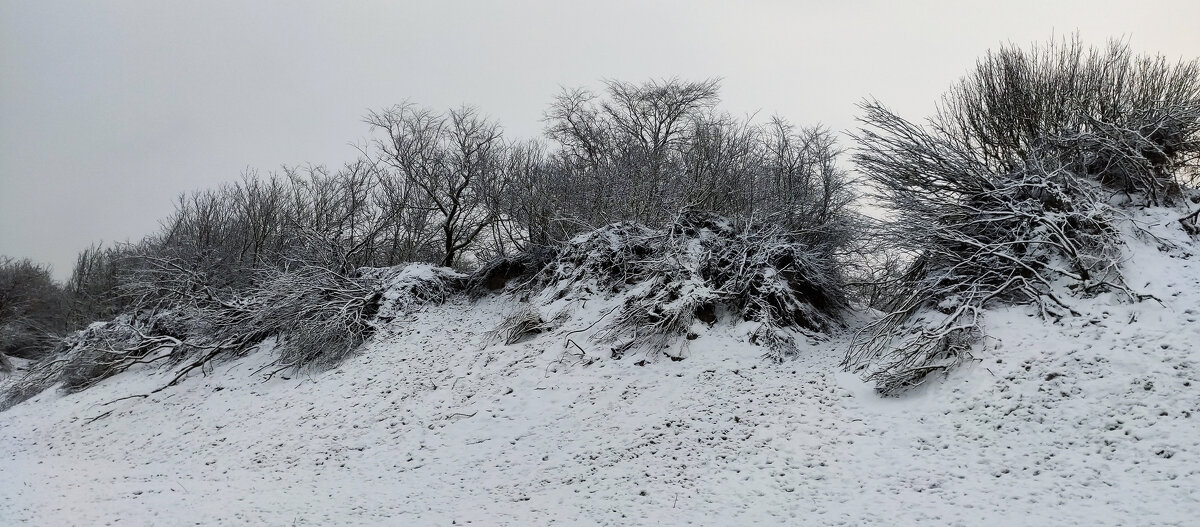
pixel 1009 193
pixel 523 323
pixel 316 316
pixel 99 351
pixel 406 288
pixel 692 269
pixel 496 273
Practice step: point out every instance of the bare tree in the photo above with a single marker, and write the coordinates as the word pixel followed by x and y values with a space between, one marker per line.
pixel 652 117
pixel 623 152
pixel 576 123
pixel 409 235
pixel 453 160
pixel 259 205
pixel 94 285
pixel 721 161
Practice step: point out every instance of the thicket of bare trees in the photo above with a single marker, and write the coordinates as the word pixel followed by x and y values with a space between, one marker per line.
pixel 642 152
pixel 452 165
pixel 448 188
pixel 1016 185
pixel 287 254
pixel 33 310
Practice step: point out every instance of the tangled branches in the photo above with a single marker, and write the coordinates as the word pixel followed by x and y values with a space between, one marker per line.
pixel 316 316
pixel 98 352
pixel 1014 244
pixel 692 269
pixel 520 325
pixel 1006 196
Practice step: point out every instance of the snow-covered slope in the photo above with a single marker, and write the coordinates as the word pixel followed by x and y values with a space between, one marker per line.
pixel 1092 421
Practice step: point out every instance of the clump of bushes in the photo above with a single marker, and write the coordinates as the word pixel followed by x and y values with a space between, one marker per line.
pixel 34 310
pixel 695 267
pixel 314 316
pixel 1016 187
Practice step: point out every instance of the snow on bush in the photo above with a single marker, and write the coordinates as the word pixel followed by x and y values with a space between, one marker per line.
pixel 97 352
pixel 1014 192
pixel 692 269
pixel 407 288
pixel 315 317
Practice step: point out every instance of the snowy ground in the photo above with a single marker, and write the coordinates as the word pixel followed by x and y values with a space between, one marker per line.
pixel 1093 421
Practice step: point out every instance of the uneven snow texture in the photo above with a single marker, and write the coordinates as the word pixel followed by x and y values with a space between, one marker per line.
pixel 1091 421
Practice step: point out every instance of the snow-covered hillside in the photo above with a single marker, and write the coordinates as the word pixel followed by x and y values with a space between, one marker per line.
pixel 1091 421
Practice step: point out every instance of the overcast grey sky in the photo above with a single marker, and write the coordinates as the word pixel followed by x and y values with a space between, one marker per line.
pixel 110 109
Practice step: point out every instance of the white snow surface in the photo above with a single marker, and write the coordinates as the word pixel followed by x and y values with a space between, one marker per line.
pixel 1089 421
